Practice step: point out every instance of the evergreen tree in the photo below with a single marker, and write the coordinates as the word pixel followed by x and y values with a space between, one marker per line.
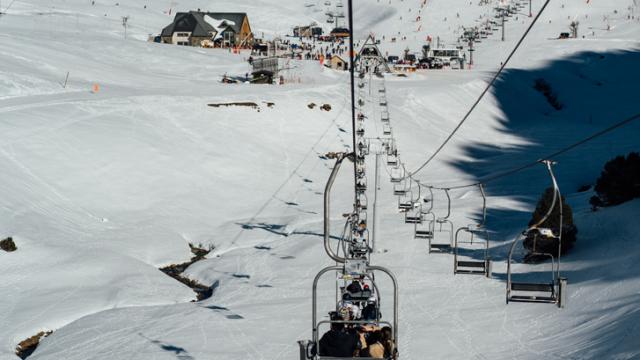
pixel 542 244
pixel 619 181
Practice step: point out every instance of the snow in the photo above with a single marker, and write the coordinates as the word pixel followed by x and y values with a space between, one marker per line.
pixel 219 25
pixel 101 189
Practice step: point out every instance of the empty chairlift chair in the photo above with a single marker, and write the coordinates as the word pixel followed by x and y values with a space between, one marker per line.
pixel 406 200
pixel 400 188
pixel 384 116
pixel 438 226
pixel 383 100
pixel 392 160
pixel 397 174
pixel 472 256
pixel 552 291
pixel 386 129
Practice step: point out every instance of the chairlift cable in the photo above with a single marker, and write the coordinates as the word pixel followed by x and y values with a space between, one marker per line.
pixel 484 92
pixel 549 156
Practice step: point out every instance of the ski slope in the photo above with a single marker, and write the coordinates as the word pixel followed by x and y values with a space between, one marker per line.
pixel 101 189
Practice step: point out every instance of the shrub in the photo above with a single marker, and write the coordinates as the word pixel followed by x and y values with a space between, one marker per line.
pixel 619 181
pixel 8 245
pixel 545 244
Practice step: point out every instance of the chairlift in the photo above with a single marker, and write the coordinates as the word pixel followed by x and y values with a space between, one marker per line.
pixel 382 90
pixel 383 101
pixel 361 185
pixel 406 201
pixel 386 129
pixel 364 146
pixel 360 130
pixel 554 291
pixel 435 247
pixel 478 242
pixel 400 188
pixel 352 265
pixel 392 160
pixel 362 201
pixel 384 117
pixel 397 174
pixel 426 207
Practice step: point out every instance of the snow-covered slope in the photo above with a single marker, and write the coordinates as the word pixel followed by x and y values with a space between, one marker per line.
pixel 101 189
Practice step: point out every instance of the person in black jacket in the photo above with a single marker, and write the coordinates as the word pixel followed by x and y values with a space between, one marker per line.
pixel 337 342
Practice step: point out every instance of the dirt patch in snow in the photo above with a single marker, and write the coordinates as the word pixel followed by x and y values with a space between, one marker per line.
pixel 175 271
pixel 240 103
pixel 26 347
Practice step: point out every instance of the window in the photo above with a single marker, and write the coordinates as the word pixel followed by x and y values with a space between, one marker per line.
pixel 182 34
pixel 183 43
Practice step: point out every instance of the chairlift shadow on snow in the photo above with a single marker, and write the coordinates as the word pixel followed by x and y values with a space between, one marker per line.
pixel 278 229
pixel 180 352
pixel 596 90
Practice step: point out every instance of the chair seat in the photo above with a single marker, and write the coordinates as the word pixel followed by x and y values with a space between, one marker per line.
pixel 473 264
pixel 540 287
pixel 470 272
pixel 440 248
pixel 533 299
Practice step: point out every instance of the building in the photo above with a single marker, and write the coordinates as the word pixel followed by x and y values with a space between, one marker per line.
pixel 340 33
pixel 307 31
pixel 337 63
pixel 208 29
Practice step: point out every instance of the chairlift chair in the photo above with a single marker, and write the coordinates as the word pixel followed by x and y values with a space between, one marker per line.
pixel 424 231
pixel 405 201
pixel 361 185
pixel 392 160
pixel 397 174
pixel 362 201
pixel 440 247
pixel 554 291
pixel 400 188
pixel 364 146
pixel 414 214
pixel 384 116
pixel 405 195
pixel 480 234
pixel 383 101
pixel 386 129
pixel 390 147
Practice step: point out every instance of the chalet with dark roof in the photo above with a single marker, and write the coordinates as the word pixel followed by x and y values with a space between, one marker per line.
pixel 209 29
